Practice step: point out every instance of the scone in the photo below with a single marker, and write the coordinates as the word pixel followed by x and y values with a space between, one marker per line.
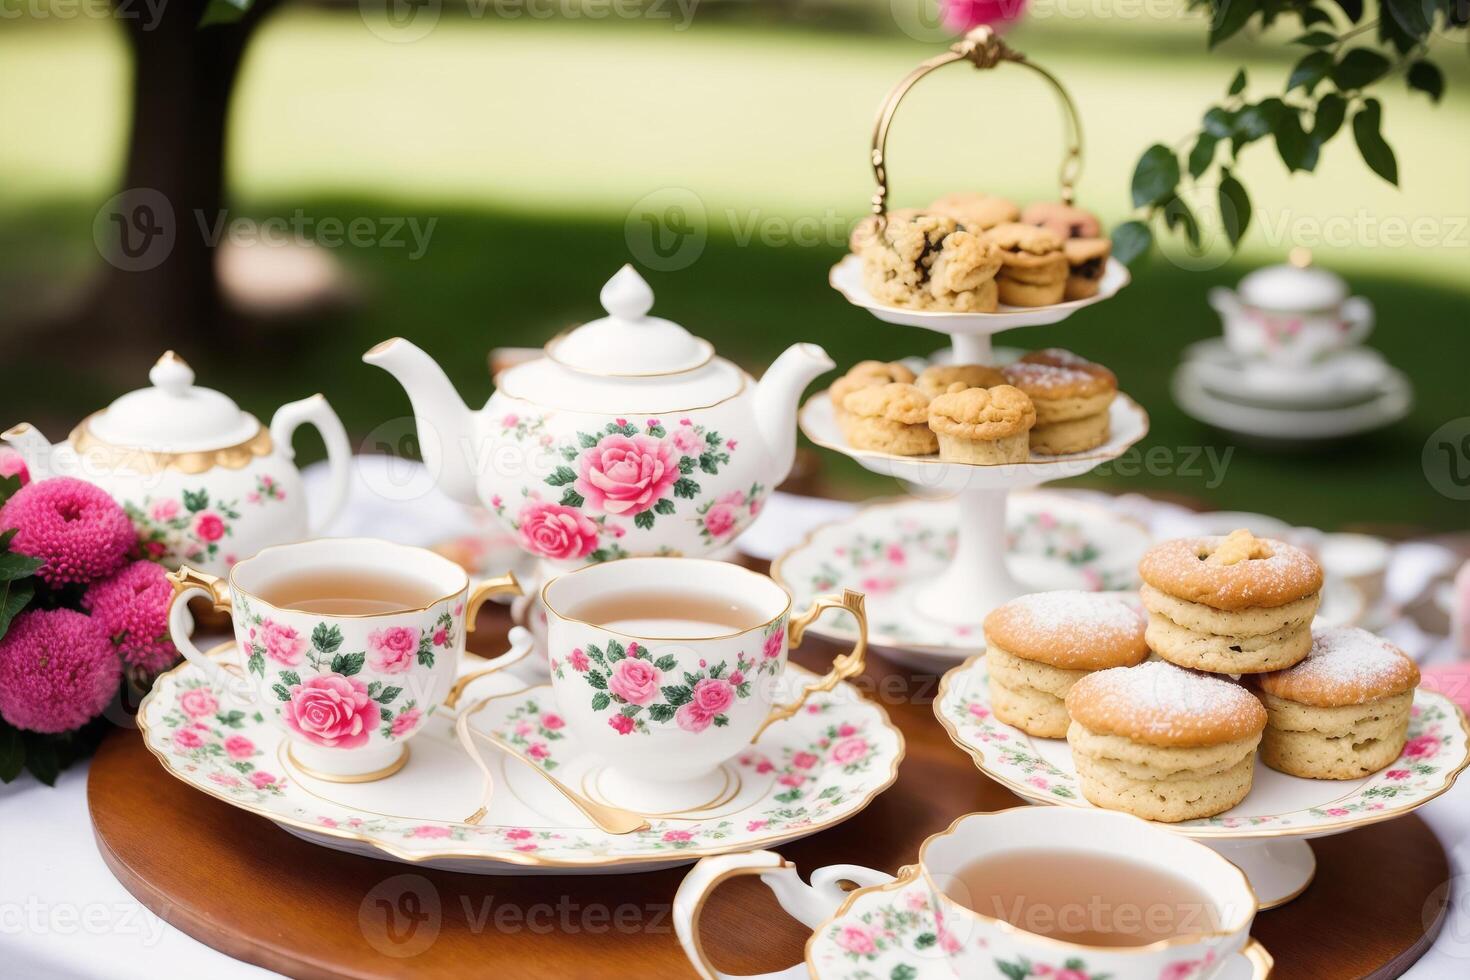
pixel 864 374
pixel 1038 646
pixel 1342 713
pixel 986 426
pixel 936 379
pixel 1033 269
pixel 925 261
pixel 1230 605
pixel 976 212
pixel 1062 220
pixel 1087 260
pixel 1072 396
pixel 890 418
pixel 1163 743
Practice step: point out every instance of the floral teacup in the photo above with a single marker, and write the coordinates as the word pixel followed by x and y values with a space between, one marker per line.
pixel 663 712
pixel 860 938
pixel 348 690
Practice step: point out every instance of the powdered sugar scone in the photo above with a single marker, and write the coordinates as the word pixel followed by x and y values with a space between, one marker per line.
pixel 1038 646
pixel 1073 397
pixel 976 212
pixel 925 261
pixel 1033 269
pixel 937 378
pixel 1230 605
pixel 1163 743
pixel 864 374
pixel 891 418
pixel 1342 713
pixel 984 426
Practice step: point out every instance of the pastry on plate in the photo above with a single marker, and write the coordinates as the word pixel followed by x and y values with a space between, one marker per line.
pixel 984 426
pixel 1087 260
pixel 1230 605
pixel 864 374
pixel 1038 646
pixel 890 418
pixel 1033 268
pixel 1072 395
pixel 936 379
pixel 1062 220
pixel 1163 743
pixel 976 212
pixel 1342 713
pixel 925 261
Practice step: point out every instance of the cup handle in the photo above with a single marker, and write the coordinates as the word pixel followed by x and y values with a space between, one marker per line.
pixel 506 584
pixel 187 583
pixel 844 666
pixel 315 411
pixel 521 643
pixel 809 904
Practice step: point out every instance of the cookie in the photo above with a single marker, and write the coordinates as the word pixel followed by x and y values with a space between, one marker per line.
pixel 1237 604
pixel 864 374
pixel 1071 436
pixel 890 418
pixel 1073 397
pixel 1033 268
pixel 936 379
pixel 1087 260
pixel 984 426
pixel 1062 220
pixel 1343 712
pixel 924 261
pixel 976 212
pixel 1163 743
pixel 1038 646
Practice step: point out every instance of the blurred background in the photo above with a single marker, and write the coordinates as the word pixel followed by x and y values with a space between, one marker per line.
pixel 468 175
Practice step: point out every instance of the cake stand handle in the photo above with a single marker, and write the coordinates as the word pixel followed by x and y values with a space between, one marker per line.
pixel 1279 868
pixel 976 579
pixel 971 348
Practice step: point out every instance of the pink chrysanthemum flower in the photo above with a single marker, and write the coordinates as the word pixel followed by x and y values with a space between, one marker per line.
pixel 75 527
pixel 11 464
pixel 57 670
pixel 132 607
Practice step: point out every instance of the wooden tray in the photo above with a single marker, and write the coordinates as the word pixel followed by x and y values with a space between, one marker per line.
pixel 249 889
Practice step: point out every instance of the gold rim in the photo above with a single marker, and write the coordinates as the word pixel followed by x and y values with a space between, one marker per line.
pixel 234 457
pixel 549 349
pixel 664 639
pixel 507 857
pixel 1261 961
pixel 1287 899
pixel 500 389
pixel 326 777
pixel 1207 833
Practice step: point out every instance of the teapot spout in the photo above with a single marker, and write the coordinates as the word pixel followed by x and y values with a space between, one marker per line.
pixel 34 449
pixel 776 400
pixel 446 426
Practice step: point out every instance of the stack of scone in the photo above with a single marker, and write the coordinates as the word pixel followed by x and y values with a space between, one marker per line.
pixel 1073 398
pixel 1085 249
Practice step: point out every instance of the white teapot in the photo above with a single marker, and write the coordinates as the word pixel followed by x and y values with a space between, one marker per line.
pixel 203 482
pixel 629 437
pixel 1292 315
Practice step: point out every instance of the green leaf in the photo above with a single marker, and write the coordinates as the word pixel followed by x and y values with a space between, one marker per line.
pixel 1297 152
pixel 1353 9
pixel 1316 39
pixel 9 487
pixel 643 520
pixel 630 710
pixel 1230 17
pixel 677 694
pixel 326 638
pixel 281 692
pixel 709 463
pixel 1235 208
pixel 1219 122
pixel 41 759
pixel 1359 67
pixel 1255 121
pixel 1155 176
pixel 196 500
pixel 1313 15
pixel 1377 154
pixel 686 488
pixel 224 12
pixel 667 662
pixel 596 680
pixel 12 753
pixel 586 441
pixel 1310 71
pixel 388 694
pixel 660 712
pixel 1130 240
pixel 1427 78
pixel 290 678
pixel 348 664
pixel 1237 84
pixel 1202 155
pixel 562 476
pixel 571 498
pixel 665 506
pixel 256 663
pixel 1412 21
pixel 1177 215
pixel 616 651
pixel 14 597
pixel 385 714
pixel 1331 109
pixel 600 701
pixel 14 565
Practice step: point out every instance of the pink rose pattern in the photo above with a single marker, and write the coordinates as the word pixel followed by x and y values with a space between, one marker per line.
pixel 391 650
pixel 187 528
pixel 203 735
pixel 331 710
pixel 279 642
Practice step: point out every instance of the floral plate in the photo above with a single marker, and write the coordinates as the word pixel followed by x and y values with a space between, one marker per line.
pixel 1266 832
pixel 891 931
pixel 890 550
pixel 805 774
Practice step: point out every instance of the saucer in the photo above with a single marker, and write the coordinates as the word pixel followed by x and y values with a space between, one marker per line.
pixel 1348 377
pixel 1265 833
pixel 847 278
pixel 804 775
pixel 891 931
pixel 891 550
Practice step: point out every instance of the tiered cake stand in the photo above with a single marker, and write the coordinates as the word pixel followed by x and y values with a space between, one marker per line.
pixel 976 579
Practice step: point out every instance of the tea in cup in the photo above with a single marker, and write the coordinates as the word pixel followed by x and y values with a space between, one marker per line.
pixel 347 644
pixel 665 668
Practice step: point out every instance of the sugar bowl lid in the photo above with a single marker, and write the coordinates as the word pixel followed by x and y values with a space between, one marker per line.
pixel 173 415
pixel 1295 286
pixel 628 343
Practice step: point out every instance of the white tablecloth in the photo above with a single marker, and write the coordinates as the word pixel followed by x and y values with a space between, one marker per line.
pixel 63 915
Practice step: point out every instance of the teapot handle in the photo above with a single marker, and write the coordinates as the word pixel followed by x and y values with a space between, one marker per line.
pixel 315 411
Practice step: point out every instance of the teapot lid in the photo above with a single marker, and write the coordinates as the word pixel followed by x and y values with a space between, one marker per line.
pixel 173 415
pixel 628 343
pixel 1298 285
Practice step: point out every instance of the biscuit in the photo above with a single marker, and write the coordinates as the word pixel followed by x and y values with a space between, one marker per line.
pixel 1033 268
pixel 1343 712
pixel 1071 436
pixel 984 426
pixel 890 418
pixel 1062 220
pixel 1087 261
pixel 1161 742
pixel 864 374
pixel 976 212
pixel 936 379
pixel 920 260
